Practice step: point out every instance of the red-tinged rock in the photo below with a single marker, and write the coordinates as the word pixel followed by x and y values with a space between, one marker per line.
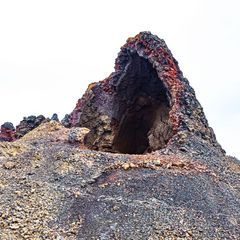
pixel 145 105
pixel 7 132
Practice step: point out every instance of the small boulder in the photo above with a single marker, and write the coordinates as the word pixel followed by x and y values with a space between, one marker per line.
pixel 77 134
pixel 7 132
pixel 55 117
pixel 66 121
pixel 9 165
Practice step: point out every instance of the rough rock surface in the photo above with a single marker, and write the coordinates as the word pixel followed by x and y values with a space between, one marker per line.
pixel 187 189
pixel 28 124
pixel 55 117
pixel 146 100
pixel 51 189
pixel 66 121
pixel 77 135
pixel 7 132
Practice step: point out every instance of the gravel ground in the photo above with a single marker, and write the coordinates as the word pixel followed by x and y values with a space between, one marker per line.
pixel 51 189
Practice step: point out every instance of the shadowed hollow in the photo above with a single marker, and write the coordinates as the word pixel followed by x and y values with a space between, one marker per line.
pixel 142 106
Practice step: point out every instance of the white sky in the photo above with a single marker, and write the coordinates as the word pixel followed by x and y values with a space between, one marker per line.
pixel 51 50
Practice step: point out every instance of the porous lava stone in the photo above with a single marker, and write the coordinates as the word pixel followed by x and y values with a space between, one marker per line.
pixel 145 105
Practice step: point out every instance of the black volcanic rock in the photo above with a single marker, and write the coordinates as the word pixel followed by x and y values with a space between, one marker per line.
pixel 55 117
pixel 66 121
pixel 28 124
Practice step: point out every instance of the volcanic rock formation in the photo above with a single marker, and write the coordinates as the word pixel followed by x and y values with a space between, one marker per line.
pixel 145 105
pixel 7 132
pixel 28 124
pixel 66 121
pixel 55 117
pixel 175 182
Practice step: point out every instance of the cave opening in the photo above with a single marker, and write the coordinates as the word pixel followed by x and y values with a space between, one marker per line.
pixel 142 104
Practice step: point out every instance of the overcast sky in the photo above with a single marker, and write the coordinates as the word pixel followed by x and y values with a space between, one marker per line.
pixel 51 50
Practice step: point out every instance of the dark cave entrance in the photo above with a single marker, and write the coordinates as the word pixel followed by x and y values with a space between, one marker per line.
pixel 142 106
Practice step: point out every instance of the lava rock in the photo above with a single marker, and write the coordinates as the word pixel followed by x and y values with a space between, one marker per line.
pixel 77 135
pixel 84 194
pixel 66 121
pixel 7 132
pixel 186 189
pixel 145 105
pixel 28 124
pixel 55 117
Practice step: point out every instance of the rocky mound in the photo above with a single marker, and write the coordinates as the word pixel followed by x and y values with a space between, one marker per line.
pixel 151 167
pixel 7 132
pixel 28 124
pixel 146 101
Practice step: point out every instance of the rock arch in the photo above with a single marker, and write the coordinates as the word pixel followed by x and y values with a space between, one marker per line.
pixel 145 105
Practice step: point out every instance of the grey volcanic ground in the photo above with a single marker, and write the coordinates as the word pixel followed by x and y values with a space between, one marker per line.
pixel 51 189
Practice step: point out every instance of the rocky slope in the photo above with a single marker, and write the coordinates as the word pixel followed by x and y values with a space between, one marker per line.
pixel 51 189
pixel 139 162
